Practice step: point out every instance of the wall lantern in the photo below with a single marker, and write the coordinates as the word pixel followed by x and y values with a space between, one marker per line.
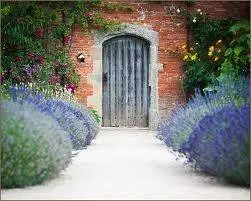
pixel 81 57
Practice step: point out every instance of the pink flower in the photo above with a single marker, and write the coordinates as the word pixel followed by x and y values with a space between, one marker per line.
pixel 55 79
pixel 71 87
pixel 17 59
pixel 64 65
pixel 88 15
pixel 55 65
pixel 30 56
pixel 40 59
pixel 39 32
pixel 67 39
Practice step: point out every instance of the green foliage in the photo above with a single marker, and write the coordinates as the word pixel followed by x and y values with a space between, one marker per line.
pixel 228 53
pixel 202 72
pixel 37 34
pixel 33 146
pixel 237 58
pixel 220 49
pixel 205 33
pixel 198 74
pixel 189 2
pixel 96 116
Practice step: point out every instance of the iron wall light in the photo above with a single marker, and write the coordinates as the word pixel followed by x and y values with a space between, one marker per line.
pixel 81 57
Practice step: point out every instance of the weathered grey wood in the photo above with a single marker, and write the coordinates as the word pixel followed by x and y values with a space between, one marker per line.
pixel 138 70
pixel 112 84
pixel 125 82
pixel 145 84
pixel 109 85
pixel 131 73
pixel 120 83
pixel 117 83
pixel 126 93
pixel 105 101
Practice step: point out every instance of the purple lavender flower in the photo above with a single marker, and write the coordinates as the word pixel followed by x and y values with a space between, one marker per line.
pixel 177 128
pixel 220 144
pixel 76 120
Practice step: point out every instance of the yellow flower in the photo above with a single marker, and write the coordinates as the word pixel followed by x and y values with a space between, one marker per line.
pixel 219 41
pixel 210 53
pixel 216 58
pixel 185 57
pixel 219 50
pixel 183 46
pixel 194 57
pixel 211 48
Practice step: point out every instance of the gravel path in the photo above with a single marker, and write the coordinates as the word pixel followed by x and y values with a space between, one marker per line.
pixel 128 164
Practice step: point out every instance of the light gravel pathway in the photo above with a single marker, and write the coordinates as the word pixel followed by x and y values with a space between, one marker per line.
pixel 128 164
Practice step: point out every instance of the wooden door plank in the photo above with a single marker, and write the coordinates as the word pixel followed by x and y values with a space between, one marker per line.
pixel 138 85
pixel 109 84
pixel 117 84
pixel 125 82
pixel 120 83
pixel 131 73
pixel 112 84
pixel 122 107
pixel 145 83
pixel 105 100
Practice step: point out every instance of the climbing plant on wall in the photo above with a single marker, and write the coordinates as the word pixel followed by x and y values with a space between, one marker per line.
pixel 217 48
pixel 37 35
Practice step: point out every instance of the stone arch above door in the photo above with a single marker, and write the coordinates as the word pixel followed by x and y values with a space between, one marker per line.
pixel 95 78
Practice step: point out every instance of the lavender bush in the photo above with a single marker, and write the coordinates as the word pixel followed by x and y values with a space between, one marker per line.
pixel 73 118
pixel 33 146
pixel 220 144
pixel 177 128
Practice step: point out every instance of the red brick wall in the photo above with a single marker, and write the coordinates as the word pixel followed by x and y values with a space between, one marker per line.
pixel 171 35
pixel 82 42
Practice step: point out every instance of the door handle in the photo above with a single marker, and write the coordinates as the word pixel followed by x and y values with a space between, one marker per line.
pixel 105 77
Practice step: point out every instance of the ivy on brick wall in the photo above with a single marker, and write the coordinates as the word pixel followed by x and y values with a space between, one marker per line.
pixel 36 37
pixel 217 48
pixel 209 40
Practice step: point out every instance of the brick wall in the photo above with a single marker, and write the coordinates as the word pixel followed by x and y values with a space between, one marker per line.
pixel 171 35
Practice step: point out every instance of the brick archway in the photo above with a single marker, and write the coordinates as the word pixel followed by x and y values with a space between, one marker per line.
pixel 95 78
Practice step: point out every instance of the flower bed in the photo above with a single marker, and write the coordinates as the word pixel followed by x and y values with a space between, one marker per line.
pixel 72 117
pixel 39 134
pixel 34 147
pixel 220 142
pixel 197 128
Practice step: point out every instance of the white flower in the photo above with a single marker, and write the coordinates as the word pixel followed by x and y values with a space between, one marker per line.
pixel 194 20
pixel 198 10
pixel 196 43
pixel 178 10
pixel 201 13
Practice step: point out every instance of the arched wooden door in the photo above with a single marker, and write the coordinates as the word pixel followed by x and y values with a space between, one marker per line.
pixel 125 82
